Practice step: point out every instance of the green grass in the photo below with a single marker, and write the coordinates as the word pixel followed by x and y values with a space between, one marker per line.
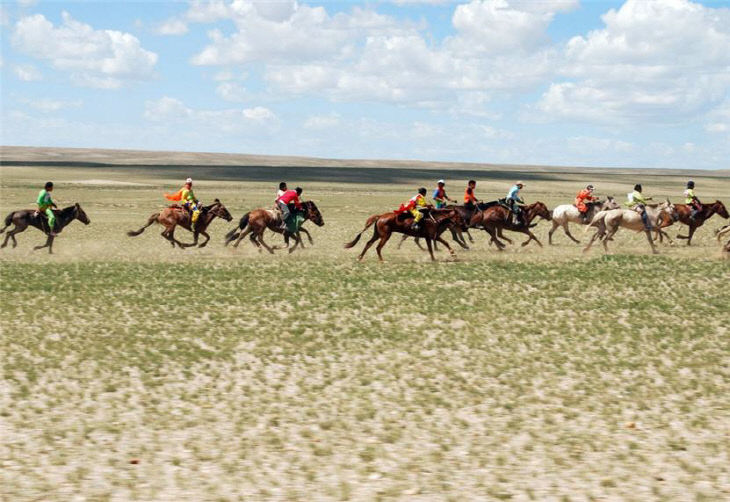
pixel 529 375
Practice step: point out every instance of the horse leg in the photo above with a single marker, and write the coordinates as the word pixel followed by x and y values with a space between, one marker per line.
pixel 458 237
pixel 207 238
pixel 566 229
pixel 297 242
pixel 552 230
pixel 501 236
pixel 598 233
pixel 11 235
pixel 196 236
pixel 369 243
pixel 244 234
pixel 309 237
pixel 268 248
pixel 171 234
pixel 532 238
pixel 471 239
pixel 49 240
pixel 651 242
pixel 417 240
pixel 692 230
pixel 451 251
pixel 430 248
pixel 403 239
pixel 493 238
pixel 380 245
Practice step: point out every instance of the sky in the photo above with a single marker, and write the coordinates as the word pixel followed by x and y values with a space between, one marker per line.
pixel 638 83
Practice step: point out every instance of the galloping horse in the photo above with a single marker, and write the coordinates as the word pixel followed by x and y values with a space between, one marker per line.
pixel 388 223
pixel 259 220
pixel 565 213
pixel 608 222
pixel 172 216
pixel 684 211
pixel 24 218
pixel 495 218
pixel 457 231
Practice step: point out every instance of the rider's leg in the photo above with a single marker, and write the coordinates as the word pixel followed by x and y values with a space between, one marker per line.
pixel 644 217
pixel 196 214
pixel 51 221
pixel 417 217
pixel 284 215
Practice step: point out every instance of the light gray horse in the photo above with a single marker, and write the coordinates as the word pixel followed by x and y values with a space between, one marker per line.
pixel 608 222
pixel 566 213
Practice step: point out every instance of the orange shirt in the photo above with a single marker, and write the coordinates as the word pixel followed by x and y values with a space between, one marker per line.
pixel 469 196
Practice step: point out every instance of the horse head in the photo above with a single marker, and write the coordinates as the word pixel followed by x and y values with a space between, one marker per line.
pixel 541 210
pixel 220 210
pixel 80 215
pixel 668 208
pixel 611 203
pixel 312 213
pixel 720 209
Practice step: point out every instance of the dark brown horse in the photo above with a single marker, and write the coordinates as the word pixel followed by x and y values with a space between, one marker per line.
pixel 432 225
pixel 457 231
pixel 174 216
pixel 684 211
pixel 24 218
pixel 496 218
pixel 255 223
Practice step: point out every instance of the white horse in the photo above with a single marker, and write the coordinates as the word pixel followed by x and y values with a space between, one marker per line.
pixel 566 213
pixel 608 222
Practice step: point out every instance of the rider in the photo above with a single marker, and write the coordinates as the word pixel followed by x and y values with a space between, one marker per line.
pixel 513 200
pixel 282 189
pixel 439 195
pixel 189 201
pixel 45 204
pixel 692 201
pixel 585 195
pixel 637 202
pixel 470 199
pixel 416 205
pixel 287 202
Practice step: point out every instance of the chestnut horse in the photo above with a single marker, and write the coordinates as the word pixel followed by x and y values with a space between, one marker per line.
pixel 684 210
pixel 259 220
pixel 25 218
pixel 386 224
pixel 175 215
pixel 496 218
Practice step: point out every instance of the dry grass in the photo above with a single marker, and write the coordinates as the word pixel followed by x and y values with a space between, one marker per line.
pixel 535 374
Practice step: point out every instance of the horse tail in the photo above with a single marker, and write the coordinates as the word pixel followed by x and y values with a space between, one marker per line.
pixel 599 217
pixel 8 220
pixel 150 221
pixel 368 224
pixel 233 234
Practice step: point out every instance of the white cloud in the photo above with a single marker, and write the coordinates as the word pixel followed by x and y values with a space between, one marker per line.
pixel 27 3
pixel 173 27
pixel 28 73
pixel 655 60
pixel 233 92
pixel 47 105
pixel 320 122
pixel 172 110
pixel 97 58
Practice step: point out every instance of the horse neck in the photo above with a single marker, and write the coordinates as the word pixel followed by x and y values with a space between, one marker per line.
pixel 66 216
pixel 531 212
pixel 709 209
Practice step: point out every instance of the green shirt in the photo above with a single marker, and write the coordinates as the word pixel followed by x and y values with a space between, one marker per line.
pixel 44 200
pixel 689 195
pixel 188 195
pixel 636 198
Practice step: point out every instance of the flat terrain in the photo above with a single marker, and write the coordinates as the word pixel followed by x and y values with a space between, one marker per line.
pixel 132 371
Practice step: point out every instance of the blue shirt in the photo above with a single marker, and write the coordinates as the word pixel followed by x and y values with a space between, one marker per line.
pixel 514 193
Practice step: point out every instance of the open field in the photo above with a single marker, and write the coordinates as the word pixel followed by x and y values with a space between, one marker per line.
pixel 534 374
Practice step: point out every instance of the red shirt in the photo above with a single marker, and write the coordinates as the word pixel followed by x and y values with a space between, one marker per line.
pixel 290 196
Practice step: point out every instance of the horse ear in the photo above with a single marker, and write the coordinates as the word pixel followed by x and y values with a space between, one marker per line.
pixel 77 205
pixel 218 201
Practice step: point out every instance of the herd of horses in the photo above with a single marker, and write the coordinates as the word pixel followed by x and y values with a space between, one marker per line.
pixel 606 216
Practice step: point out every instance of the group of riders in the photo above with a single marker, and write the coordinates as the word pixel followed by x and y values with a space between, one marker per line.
pixel 290 206
pixel 417 205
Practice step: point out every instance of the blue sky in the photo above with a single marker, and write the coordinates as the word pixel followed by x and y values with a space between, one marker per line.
pixel 641 83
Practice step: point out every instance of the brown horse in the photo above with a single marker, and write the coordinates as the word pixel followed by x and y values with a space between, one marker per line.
pixel 432 225
pixel 496 218
pixel 24 218
pixel 257 221
pixel 684 211
pixel 174 216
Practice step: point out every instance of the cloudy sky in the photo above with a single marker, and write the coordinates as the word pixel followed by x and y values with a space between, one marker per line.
pixel 641 83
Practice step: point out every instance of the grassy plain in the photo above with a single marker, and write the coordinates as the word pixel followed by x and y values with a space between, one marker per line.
pixel 534 374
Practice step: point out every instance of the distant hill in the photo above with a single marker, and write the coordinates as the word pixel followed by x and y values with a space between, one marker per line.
pixel 92 157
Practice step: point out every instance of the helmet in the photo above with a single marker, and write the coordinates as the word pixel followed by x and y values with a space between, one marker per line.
pixel 189 181
pixel 282 185
pixel 441 182
pixel 422 191
pixel 637 187
pixel 590 187
pixel 690 184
